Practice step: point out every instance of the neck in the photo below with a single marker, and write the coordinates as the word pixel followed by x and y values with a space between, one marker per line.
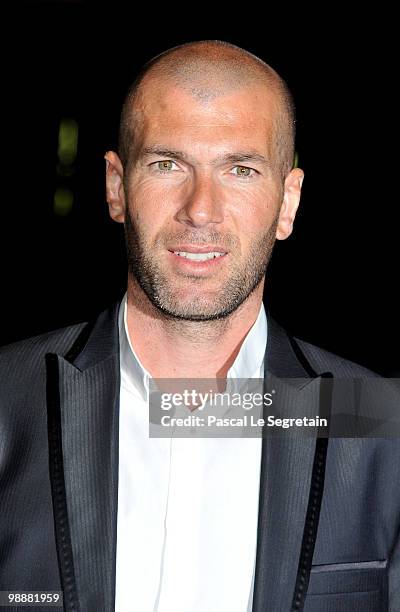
pixel 174 348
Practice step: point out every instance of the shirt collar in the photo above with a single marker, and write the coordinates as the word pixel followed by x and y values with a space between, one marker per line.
pixel 248 363
pixel 133 375
pixel 250 359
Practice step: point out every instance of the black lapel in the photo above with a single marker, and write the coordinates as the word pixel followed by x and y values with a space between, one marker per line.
pixel 83 417
pixel 291 485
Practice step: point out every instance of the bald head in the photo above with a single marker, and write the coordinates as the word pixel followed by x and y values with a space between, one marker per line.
pixel 207 70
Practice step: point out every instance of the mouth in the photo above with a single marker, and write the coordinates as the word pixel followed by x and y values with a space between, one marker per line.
pixel 197 258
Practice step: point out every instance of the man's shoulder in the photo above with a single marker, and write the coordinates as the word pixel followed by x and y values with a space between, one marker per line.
pixel 304 356
pixel 33 348
pixel 323 360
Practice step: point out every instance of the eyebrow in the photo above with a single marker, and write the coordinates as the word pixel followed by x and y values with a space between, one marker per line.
pixel 237 156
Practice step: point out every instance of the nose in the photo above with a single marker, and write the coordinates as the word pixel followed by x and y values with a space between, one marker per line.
pixel 202 205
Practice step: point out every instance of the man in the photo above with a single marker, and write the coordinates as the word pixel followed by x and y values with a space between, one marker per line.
pixel 92 505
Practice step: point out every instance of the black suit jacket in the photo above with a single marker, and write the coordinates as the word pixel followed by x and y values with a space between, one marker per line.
pixel 329 510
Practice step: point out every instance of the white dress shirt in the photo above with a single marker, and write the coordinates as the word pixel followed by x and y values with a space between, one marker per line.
pixel 187 507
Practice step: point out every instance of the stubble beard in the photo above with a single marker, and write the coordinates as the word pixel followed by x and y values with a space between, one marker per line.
pixel 244 277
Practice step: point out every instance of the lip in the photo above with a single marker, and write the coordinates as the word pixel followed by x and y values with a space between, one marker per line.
pixel 193 248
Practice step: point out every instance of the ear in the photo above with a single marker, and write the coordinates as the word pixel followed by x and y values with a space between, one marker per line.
pixel 291 200
pixel 115 187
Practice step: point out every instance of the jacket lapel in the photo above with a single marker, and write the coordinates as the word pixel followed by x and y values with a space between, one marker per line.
pixel 291 484
pixel 83 416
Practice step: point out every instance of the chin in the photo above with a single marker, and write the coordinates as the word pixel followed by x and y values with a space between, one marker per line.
pixel 194 309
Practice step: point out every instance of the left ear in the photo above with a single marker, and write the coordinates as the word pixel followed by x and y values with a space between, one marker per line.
pixel 115 187
pixel 291 200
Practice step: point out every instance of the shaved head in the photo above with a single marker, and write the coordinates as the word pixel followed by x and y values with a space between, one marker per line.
pixel 207 70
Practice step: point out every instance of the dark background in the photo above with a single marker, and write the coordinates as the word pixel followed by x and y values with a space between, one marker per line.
pixel 334 282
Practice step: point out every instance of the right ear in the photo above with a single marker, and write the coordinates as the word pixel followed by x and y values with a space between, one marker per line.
pixel 115 187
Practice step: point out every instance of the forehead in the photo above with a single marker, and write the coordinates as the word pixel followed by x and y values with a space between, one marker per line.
pixel 199 115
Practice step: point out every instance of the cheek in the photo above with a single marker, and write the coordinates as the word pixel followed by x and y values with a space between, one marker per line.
pixel 151 206
pixel 254 210
pixel 152 196
pixel 150 203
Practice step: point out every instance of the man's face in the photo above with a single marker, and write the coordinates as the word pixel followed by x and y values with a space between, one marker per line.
pixel 201 182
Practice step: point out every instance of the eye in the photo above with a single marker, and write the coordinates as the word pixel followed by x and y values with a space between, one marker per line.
pixel 166 165
pixel 243 171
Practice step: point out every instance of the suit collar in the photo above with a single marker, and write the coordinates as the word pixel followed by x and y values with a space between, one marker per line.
pixel 283 357
pixel 99 340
